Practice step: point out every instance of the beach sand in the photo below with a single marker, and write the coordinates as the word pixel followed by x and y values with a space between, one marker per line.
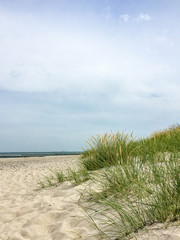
pixel 52 213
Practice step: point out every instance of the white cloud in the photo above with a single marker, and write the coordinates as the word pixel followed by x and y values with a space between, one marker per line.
pixel 36 57
pixel 144 17
pixel 124 18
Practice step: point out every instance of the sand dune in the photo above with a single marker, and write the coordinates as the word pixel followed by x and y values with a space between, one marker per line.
pixel 48 214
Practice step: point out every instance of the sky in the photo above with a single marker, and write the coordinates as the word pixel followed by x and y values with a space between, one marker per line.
pixel 72 69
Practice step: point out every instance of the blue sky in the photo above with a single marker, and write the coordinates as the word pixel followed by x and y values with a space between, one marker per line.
pixel 72 69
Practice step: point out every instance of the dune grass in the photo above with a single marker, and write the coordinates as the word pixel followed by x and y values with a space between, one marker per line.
pixel 139 185
pixel 79 176
pixel 135 195
pixel 136 182
pixel 111 149
pixel 107 150
pixel 56 177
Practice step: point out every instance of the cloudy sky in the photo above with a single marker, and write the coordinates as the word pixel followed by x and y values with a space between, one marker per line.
pixel 71 69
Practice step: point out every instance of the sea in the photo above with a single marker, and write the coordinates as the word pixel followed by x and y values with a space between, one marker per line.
pixel 35 154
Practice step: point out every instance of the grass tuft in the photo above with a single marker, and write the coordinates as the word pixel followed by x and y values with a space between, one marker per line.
pixel 107 150
pixel 112 149
pixel 78 177
pixel 57 176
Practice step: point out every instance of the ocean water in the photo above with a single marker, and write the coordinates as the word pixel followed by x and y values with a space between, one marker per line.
pixel 35 154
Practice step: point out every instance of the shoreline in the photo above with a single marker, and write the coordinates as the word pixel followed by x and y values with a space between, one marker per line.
pixel 37 154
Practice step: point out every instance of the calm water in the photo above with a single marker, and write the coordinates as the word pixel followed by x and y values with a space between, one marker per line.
pixel 35 154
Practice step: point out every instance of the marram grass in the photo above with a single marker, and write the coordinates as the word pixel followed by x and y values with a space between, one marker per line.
pixel 56 177
pixel 111 149
pixel 107 150
pixel 139 185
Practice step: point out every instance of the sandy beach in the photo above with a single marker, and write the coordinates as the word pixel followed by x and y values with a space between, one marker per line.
pixel 51 213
